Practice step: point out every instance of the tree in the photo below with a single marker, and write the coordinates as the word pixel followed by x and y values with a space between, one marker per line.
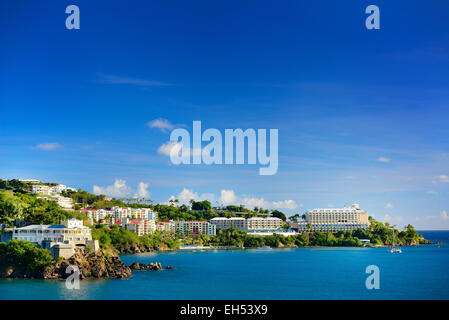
pixel 278 214
pixel 25 256
pixel 201 205
pixel 294 218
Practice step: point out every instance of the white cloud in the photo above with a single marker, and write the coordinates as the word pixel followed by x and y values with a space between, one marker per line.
pixel 167 148
pixel 387 217
pixel 432 192
pixel 443 215
pixel 383 159
pixel 163 124
pixel 251 202
pixel 142 191
pixel 176 148
pixel 286 204
pixel 389 206
pixel 227 197
pixel 118 190
pixel 443 178
pixel 255 202
pixel 47 146
pixel 185 196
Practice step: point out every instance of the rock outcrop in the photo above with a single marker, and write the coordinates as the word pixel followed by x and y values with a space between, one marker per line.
pixel 139 248
pixel 154 266
pixel 93 265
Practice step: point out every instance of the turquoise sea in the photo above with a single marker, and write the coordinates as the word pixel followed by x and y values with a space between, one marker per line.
pixel 299 273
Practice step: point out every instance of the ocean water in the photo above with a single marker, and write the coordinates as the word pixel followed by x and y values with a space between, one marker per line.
pixel 297 273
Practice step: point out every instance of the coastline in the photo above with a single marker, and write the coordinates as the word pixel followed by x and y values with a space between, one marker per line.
pixel 206 248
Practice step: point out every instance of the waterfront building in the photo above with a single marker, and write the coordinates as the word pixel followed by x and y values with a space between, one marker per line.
pixel 334 219
pixel 188 228
pixel 71 230
pixel 227 223
pixel 255 223
pixel 195 228
pixel 61 240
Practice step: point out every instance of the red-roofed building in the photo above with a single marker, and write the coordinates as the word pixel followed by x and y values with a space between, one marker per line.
pixel 139 226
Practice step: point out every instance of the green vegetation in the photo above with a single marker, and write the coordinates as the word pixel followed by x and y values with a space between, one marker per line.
pixel 18 204
pixel 278 214
pixel 239 238
pixel 201 205
pixel 382 234
pixel 122 240
pixel 28 207
pixel 25 257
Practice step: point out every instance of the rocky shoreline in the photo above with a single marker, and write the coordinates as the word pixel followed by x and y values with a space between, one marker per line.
pixel 141 249
pixel 90 265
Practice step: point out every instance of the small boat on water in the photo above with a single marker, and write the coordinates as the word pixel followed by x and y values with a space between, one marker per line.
pixel 264 248
pixel 393 249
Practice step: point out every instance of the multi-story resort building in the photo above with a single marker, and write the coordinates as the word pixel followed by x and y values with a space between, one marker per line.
pixel 258 223
pixel 250 224
pixel 118 214
pixel 191 228
pixel 195 228
pixel 134 213
pixel 139 226
pixel 50 190
pixel 227 223
pixel 63 202
pixel 99 215
pixel 61 240
pixel 52 193
pixel 41 189
pixel 166 226
pixel 333 219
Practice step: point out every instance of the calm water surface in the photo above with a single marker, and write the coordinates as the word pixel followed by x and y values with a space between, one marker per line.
pixel 299 273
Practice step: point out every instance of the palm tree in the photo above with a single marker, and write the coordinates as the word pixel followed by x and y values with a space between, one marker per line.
pixel 309 228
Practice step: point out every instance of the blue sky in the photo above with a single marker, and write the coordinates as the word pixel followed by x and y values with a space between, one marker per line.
pixel 362 114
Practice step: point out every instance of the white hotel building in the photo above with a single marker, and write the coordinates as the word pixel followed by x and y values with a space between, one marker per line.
pixel 71 231
pixel 249 224
pixel 333 219
pixel 118 214
pixel 60 240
